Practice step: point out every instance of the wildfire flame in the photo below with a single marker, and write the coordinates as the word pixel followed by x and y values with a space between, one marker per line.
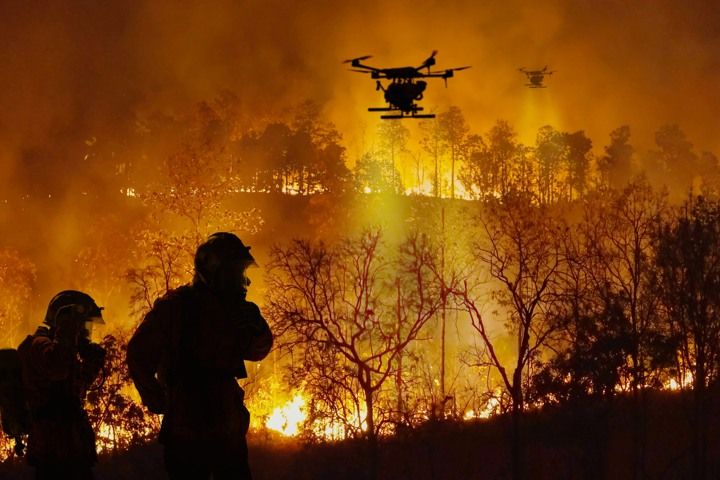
pixel 287 418
pixel 685 382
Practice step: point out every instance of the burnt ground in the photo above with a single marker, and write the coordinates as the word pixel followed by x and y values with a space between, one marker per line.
pixel 591 442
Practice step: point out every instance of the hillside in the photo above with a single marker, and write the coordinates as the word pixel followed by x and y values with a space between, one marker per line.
pixel 594 442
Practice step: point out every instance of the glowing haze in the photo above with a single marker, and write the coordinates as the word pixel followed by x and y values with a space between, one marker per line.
pixel 76 72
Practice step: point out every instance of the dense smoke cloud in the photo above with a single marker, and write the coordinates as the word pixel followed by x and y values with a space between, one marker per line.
pixel 84 69
pixel 74 73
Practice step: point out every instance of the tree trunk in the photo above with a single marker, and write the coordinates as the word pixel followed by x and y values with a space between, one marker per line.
pixel 639 404
pixel 452 173
pixel 516 450
pixel 372 441
pixel 436 185
pixel 700 420
pixel 443 318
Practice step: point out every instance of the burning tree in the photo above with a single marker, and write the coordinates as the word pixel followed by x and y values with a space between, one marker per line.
pixel 346 313
pixel 489 169
pixel 303 155
pixel 620 230
pixel 550 153
pixel 432 142
pixel 119 420
pixel 616 166
pixel 373 173
pixel 185 208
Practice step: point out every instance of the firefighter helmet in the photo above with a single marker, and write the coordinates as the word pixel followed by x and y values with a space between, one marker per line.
pixel 79 303
pixel 222 251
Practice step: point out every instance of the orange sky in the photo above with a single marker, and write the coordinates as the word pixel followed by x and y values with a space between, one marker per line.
pixel 70 73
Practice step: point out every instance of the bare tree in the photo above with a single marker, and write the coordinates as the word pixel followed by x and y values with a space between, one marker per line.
pixel 616 165
pixel 454 130
pixel 578 157
pixel 433 143
pixel 350 313
pixel 688 259
pixel 393 142
pixel 489 166
pixel 620 232
pixel 550 154
pixel 521 246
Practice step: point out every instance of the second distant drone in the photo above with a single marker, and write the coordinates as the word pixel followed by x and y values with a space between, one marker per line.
pixel 536 77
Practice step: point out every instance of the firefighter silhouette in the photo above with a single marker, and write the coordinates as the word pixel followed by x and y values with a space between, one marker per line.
pixel 186 355
pixel 59 362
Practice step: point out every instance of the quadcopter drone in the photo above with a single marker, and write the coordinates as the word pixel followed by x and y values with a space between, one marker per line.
pixel 536 77
pixel 404 88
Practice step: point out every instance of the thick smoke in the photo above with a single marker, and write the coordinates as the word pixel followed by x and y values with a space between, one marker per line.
pixel 75 72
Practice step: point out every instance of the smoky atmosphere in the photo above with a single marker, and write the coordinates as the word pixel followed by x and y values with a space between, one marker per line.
pixel 360 240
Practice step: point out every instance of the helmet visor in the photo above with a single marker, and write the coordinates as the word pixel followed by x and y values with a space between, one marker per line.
pixel 95 315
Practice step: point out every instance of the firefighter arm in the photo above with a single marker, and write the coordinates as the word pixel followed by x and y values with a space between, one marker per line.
pixel 53 359
pixel 259 339
pixel 143 359
pixel 93 359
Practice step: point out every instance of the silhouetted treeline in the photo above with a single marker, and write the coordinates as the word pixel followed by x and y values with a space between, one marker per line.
pixel 298 151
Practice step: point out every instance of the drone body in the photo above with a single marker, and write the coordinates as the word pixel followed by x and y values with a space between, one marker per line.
pixel 405 88
pixel 536 77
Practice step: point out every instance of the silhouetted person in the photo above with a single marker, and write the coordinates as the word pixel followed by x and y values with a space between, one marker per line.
pixel 185 358
pixel 59 363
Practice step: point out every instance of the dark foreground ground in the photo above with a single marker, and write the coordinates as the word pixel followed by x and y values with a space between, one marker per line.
pixel 587 443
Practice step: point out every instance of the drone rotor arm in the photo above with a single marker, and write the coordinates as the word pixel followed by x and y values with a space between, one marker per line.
pixel 357 59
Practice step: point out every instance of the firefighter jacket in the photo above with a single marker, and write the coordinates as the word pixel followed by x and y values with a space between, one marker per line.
pixel 185 357
pixel 55 379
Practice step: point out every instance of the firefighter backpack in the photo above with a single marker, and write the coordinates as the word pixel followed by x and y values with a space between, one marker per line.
pixel 14 410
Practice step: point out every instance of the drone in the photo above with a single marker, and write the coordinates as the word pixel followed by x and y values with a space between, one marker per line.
pixel 404 88
pixel 536 77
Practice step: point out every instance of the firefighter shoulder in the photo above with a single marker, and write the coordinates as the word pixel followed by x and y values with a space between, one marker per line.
pixel 190 325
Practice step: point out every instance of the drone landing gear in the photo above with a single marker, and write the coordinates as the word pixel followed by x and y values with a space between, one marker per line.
pixel 411 114
pixel 397 117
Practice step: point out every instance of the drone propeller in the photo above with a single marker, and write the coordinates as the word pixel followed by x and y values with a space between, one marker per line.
pixel 358 59
pixel 450 72
pixel 429 62
pixel 359 71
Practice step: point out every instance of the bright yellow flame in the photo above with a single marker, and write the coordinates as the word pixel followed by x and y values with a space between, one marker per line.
pixel 331 430
pixel 684 382
pixel 491 408
pixel 287 419
pixel 112 437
